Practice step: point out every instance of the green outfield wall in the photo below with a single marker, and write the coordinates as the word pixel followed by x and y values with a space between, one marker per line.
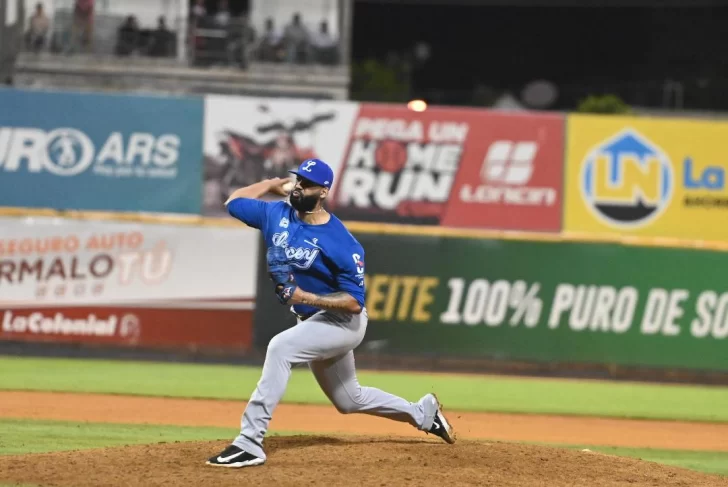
pixel 547 301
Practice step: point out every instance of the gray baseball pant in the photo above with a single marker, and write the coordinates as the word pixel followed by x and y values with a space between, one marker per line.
pixel 326 341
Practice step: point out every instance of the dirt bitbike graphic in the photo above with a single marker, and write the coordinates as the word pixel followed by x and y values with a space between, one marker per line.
pixel 243 160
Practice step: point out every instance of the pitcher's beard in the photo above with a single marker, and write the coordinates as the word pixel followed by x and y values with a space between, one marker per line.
pixel 304 203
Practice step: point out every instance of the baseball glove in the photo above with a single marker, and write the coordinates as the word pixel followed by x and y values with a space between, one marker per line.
pixel 280 273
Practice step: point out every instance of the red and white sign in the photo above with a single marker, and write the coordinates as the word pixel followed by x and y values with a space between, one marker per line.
pixel 217 327
pixel 453 167
pixel 127 284
pixel 49 261
pixel 401 165
pixel 512 177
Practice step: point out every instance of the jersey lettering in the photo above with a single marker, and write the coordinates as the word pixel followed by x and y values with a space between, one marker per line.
pixel 301 257
pixel 280 239
pixel 325 259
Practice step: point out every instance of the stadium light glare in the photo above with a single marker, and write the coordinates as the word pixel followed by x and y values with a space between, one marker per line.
pixel 417 105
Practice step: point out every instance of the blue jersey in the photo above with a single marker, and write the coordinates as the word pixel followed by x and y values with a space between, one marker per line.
pixel 324 258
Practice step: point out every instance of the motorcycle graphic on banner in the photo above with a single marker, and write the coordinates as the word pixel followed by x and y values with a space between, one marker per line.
pixel 247 140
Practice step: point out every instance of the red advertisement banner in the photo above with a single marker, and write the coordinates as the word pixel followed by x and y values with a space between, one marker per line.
pixel 512 175
pixel 215 327
pixel 452 167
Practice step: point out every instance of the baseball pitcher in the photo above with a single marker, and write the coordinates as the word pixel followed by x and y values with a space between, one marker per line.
pixel 317 268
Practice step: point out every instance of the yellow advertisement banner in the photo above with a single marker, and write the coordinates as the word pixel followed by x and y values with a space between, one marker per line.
pixel 646 177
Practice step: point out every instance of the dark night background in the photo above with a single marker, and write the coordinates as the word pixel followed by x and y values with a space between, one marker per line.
pixel 628 51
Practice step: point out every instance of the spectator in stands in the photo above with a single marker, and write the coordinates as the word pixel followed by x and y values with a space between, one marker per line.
pixel 162 41
pixel 128 37
pixel 296 41
pixel 83 19
pixel 241 41
pixel 197 13
pixel 38 30
pixel 270 45
pixel 199 10
pixel 222 17
pixel 325 47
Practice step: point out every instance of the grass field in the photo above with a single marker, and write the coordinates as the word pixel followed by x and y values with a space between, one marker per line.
pixel 710 462
pixel 463 392
pixel 474 393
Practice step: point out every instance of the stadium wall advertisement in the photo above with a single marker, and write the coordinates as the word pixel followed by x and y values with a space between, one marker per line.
pixel 531 301
pixel 537 296
pixel 87 151
pixel 148 285
pixel 185 287
pixel 453 167
pixel 647 177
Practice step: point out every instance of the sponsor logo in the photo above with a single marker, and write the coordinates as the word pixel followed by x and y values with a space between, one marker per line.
pixel 506 171
pixel 58 324
pixel 708 181
pixel 284 222
pixel 359 268
pixel 287 293
pixel 359 263
pixel 72 267
pixel 130 328
pixel 404 166
pixel 627 180
pixel 67 152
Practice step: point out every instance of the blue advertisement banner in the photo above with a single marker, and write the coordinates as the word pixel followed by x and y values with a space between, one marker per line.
pixel 87 151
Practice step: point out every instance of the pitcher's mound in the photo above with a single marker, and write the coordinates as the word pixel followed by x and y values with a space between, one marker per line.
pixel 348 461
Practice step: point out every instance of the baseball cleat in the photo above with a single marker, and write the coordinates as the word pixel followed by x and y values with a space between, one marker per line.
pixel 440 425
pixel 234 457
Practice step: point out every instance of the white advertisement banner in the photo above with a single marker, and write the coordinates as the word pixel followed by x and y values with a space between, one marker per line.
pixel 249 139
pixel 57 261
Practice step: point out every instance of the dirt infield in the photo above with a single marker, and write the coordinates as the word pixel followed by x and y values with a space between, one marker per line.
pixel 389 454
pixel 332 461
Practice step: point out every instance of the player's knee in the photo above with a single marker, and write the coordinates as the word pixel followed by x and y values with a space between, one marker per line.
pixel 278 347
pixel 346 407
pixel 349 403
